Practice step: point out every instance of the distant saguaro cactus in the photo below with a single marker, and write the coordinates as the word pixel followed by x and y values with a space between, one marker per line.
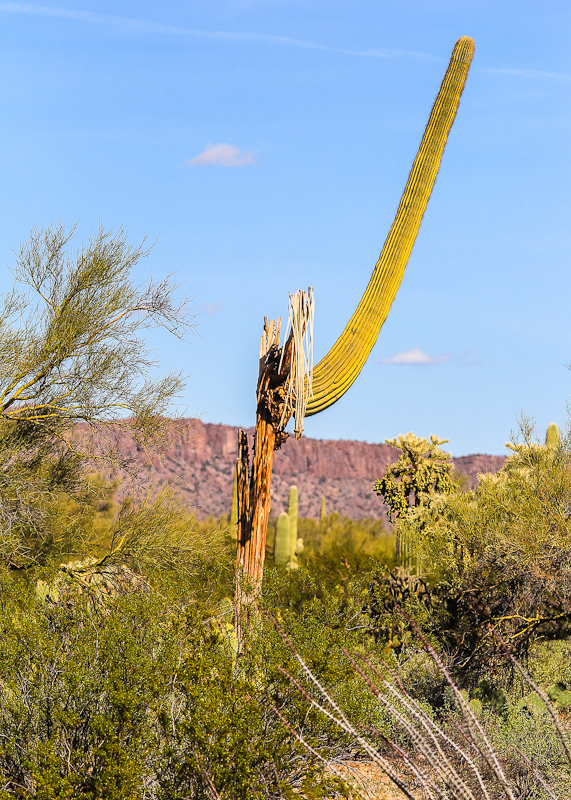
pixel 552 436
pixel 282 542
pixel 322 510
pixel 292 515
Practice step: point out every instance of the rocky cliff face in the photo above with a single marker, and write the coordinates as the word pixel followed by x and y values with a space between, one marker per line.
pixel 341 471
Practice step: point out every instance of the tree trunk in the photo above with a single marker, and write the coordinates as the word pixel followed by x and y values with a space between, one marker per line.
pixel 254 487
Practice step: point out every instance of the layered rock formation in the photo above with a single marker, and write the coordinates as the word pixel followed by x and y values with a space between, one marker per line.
pixel 341 471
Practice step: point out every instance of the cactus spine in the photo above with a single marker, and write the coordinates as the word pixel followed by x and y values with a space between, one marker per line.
pixel 337 371
pixel 552 436
pixel 282 543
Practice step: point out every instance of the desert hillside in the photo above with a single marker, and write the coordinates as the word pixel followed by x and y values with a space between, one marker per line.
pixel 342 471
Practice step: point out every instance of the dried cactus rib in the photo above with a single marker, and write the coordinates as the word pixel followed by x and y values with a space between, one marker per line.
pixel 336 372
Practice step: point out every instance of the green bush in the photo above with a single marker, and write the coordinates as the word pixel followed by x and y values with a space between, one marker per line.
pixel 337 549
pixel 141 693
pixel 497 558
pixel 73 359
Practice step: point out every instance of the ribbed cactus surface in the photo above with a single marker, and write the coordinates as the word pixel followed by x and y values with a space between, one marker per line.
pixel 335 373
pixel 282 543
pixel 292 516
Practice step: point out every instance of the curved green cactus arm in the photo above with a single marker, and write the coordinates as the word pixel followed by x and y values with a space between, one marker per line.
pixel 336 372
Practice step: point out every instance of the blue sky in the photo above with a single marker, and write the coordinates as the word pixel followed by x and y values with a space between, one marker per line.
pixel 264 145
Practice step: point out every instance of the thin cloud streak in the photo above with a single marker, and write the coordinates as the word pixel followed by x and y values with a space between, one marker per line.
pixel 143 26
pixel 414 357
pixel 222 155
pixel 528 73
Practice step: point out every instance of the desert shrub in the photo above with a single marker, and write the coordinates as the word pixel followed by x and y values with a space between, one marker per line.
pixel 497 557
pixel 465 749
pixel 141 695
pixel 526 744
pixel 550 662
pixel 338 536
pixel 77 687
pixel 338 549
pixel 138 693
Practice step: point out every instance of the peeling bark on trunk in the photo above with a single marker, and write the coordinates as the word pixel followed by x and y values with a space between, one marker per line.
pixel 254 486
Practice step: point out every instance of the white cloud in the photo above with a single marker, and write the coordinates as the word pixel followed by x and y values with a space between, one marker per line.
pixel 222 155
pixel 414 356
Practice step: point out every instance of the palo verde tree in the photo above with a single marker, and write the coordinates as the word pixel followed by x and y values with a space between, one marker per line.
pixel 75 372
pixel 287 384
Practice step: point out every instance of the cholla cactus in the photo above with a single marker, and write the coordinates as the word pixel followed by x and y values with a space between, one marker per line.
pixel 98 581
pixel 422 471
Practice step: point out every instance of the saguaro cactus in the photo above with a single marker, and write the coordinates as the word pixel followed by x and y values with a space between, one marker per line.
pixel 552 436
pixel 336 372
pixel 292 516
pixel 282 542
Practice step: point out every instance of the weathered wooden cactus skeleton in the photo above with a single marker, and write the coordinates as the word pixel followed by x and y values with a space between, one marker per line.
pixel 336 372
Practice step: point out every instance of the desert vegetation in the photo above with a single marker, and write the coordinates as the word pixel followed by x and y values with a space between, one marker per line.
pixel 124 677
pixel 148 654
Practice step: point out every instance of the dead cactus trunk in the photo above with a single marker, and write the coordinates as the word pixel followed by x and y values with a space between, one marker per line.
pixel 254 485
